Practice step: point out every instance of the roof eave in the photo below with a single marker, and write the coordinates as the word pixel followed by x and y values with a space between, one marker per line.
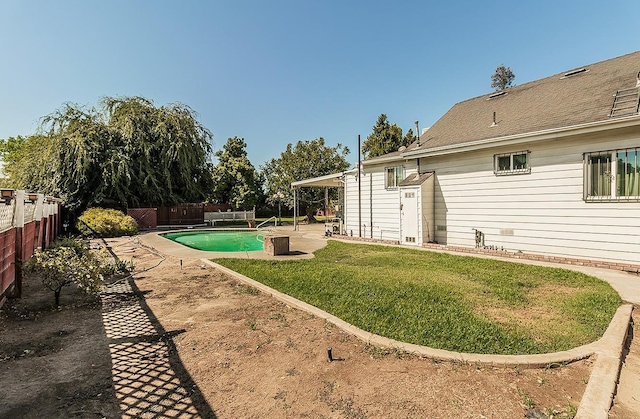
pixel 591 127
pixel 382 160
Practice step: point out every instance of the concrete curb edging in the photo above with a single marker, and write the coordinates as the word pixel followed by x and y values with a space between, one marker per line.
pixel 613 337
pixel 598 396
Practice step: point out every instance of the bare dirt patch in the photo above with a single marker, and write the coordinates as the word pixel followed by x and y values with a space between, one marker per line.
pixel 244 354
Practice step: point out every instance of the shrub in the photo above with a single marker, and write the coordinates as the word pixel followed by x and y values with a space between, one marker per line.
pixel 101 222
pixel 66 263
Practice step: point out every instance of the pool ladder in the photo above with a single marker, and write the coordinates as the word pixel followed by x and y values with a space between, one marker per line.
pixel 268 229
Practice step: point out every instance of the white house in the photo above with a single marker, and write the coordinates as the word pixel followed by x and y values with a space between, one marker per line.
pixel 548 167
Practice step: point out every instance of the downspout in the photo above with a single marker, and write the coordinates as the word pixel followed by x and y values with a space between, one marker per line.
pixel 371 203
pixel 359 192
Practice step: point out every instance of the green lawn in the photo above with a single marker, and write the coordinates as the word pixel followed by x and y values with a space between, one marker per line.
pixel 458 303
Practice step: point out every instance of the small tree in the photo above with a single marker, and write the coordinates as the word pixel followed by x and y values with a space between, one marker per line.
pixel 68 262
pixel 502 78
pixel 235 180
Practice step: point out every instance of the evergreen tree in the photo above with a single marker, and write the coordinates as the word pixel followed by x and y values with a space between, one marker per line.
pixel 235 180
pixel 385 138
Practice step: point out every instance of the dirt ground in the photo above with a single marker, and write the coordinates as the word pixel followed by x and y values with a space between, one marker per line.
pixel 626 403
pixel 183 340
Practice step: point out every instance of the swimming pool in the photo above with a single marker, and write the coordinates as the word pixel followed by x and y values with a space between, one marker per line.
pixel 219 240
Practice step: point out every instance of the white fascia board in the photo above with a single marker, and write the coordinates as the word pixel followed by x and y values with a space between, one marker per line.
pixel 331 180
pixel 383 160
pixel 544 135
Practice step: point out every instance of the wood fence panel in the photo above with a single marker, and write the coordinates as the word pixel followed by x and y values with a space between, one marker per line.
pixel 185 214
pixel 7 258
pixel 28 240
pixel 146 218
pixel 50 231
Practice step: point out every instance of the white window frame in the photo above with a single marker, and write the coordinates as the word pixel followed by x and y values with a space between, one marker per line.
pixel 608 188
pixel 398 176
pixel 512 169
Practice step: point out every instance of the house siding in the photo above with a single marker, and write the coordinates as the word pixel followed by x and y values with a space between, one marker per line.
pixel 540 212
pixel 380 206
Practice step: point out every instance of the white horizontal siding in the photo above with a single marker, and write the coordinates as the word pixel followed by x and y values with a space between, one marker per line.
pixel 380 207
pixel 544 209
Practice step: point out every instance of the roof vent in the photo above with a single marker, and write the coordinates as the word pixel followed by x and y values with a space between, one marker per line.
pixel 494 123
pixel 498 94
pixel 574 72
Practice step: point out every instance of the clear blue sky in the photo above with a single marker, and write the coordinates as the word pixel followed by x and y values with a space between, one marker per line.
pixel 279 71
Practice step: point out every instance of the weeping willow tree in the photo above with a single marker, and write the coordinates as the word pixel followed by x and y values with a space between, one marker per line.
pixel 126 153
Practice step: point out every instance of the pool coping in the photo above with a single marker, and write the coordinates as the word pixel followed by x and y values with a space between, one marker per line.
pixel 303 244
pixel 213 229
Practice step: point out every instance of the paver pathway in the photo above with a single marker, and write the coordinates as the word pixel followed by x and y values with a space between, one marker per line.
pixel 143 359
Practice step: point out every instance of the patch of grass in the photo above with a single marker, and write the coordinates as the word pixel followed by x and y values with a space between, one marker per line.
pixel 246 289
pixel 526 399
pixel 458 303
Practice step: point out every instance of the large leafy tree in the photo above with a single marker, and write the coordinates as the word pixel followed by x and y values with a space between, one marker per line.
pixel 502 78
pixel 307 159
pixel 126 153
pixel 385 138
pixel 11 150
pixel 235 180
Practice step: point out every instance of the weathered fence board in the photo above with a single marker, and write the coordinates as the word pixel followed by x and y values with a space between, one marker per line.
pixel 7 259
pixel 27 222
pixel 146 218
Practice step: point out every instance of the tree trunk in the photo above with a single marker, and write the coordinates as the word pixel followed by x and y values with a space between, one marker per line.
pixel 311 213
pixel 57 294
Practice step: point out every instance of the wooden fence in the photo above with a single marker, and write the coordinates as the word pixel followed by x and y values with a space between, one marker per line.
pixel 187 215
pixel 27 222
pixel 183 214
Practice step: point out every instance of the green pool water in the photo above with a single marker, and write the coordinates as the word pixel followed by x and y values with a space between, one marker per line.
pixel 219 241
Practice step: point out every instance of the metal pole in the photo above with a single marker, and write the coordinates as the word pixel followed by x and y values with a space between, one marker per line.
pixel 418 135
pixel 295 212
pixel 359 193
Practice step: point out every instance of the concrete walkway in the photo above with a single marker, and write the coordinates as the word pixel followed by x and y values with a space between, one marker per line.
pixel 608 350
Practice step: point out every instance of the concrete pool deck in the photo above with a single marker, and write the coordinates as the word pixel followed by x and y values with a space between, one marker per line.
pixel 302 244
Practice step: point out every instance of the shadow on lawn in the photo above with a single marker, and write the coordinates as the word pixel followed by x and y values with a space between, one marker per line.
pixel 149 378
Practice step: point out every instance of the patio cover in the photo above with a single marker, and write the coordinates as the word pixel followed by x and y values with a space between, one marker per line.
pixel 327 181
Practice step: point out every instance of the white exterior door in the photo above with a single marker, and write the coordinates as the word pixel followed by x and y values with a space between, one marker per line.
pixel 409 226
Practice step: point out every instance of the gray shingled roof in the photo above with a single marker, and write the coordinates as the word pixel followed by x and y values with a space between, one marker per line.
pixel 549 103
pixel 415 179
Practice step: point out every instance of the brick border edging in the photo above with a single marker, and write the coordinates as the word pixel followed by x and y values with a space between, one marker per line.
pixel 592 263
pixel 621 317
